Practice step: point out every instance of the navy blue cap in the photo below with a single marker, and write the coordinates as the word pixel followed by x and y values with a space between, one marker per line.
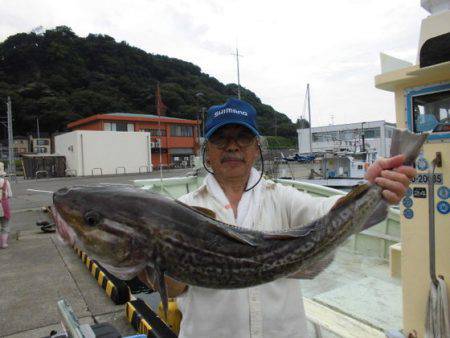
pixel 234 111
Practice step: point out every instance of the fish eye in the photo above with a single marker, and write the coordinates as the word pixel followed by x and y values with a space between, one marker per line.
pixel 92 218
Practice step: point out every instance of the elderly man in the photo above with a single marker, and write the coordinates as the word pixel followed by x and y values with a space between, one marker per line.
pixel 238 195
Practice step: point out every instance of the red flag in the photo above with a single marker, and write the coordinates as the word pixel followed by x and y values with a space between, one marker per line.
pixel 160 106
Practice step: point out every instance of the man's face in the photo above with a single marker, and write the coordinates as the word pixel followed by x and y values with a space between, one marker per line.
pixel 231 151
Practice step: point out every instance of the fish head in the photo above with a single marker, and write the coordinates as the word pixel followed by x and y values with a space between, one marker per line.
pixel 96 219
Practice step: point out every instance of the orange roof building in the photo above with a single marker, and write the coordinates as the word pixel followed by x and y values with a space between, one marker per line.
pixel 178 137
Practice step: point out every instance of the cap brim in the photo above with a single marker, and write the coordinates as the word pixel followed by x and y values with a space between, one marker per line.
pixel 220 125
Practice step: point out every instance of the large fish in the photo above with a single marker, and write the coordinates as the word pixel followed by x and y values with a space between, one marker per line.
pixel 127 229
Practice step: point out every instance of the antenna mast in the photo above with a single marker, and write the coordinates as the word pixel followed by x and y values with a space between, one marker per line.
pixel 238 76
pixel 309 115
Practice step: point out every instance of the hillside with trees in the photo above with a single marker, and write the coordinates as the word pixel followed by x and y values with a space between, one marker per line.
pixel 59 77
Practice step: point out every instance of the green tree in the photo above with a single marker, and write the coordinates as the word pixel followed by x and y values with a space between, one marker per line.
pixel 58 77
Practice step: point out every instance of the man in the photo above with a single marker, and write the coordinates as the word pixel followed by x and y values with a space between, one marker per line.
pixel 238 195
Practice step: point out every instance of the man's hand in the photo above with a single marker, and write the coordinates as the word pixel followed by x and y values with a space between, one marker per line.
pixel 391 175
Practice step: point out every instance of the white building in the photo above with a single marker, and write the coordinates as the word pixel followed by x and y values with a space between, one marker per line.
pixel 348 138
pixel 105 152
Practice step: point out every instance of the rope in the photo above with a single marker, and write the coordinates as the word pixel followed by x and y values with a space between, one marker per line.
pixel 437 324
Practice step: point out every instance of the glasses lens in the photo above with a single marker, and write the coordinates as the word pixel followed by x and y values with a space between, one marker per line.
pixel 245 138
pixel 221 138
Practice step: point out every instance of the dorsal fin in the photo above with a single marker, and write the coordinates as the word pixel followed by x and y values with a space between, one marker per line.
pixel 206 211
pixel 352 195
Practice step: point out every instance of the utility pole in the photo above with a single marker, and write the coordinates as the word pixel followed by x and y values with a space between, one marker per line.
pixel 37 128
pixel 363 149
pixel 203 121
pixel 309 115
pixel 11 166
pixel 238 76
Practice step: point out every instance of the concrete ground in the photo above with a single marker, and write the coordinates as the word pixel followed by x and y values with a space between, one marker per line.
pixel 37 270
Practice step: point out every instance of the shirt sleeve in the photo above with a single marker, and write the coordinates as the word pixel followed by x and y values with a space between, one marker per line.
pixel 301 208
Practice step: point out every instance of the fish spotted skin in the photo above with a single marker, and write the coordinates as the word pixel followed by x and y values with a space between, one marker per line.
pixel 127 228
pixel 136 228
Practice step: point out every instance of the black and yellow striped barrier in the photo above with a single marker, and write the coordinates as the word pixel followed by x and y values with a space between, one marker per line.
pixel 145 321
pixel 115 288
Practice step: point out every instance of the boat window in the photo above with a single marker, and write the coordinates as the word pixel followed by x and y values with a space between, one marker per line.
pixel 431 112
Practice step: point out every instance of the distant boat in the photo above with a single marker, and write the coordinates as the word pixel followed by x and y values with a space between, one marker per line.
pixel 298 158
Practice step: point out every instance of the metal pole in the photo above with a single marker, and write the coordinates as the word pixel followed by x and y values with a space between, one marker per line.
pixel 11 166
pixel 238 77
pixel 37 128
pixel 309 115
pixel 363 138
pixel 160 152
pixel 203 120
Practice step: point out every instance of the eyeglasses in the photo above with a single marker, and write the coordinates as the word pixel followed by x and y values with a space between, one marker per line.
pixel 243 138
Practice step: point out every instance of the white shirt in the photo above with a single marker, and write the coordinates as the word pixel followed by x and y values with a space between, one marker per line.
pixel 270 310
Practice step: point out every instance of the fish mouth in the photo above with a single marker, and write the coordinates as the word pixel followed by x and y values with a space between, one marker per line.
pixel 65 233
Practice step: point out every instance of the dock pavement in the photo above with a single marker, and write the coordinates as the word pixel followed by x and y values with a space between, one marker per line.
pixel 37 270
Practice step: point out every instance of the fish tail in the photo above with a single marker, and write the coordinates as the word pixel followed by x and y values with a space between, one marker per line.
pixel 407 143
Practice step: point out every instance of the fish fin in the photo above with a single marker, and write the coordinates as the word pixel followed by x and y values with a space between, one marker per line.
pixel 206 211
pixel 159 284
pixel 351 196
pixel 310 272
pixel 379 214
pixel 288 234
pixel 227 230
pixel 407 143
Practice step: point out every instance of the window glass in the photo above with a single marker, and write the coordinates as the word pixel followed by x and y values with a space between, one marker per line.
pixel 431 112
pixel 130 127
pixel 121 126
pixel 371 132
pixel 156 132
pixel 179 130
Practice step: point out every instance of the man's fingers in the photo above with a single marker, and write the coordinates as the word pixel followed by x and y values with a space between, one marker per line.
pixel 396 187
pixel 410 172
pixel 390 197
pixel 396 176
pixel 382 164
pixel 391 162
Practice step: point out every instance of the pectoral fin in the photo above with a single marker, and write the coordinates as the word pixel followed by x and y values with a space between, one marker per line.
pixel 156 276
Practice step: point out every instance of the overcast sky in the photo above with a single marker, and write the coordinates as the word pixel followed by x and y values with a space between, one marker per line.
pixel 333 45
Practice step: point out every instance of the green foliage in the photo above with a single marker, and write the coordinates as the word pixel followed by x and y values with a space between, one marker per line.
pixel 280 142
pixel 59 77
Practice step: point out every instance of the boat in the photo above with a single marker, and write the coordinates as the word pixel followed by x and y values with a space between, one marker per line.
pixel 380 290
pixel 382 278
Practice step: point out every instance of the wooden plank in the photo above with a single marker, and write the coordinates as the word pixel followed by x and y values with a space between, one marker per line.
pixel 337 322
